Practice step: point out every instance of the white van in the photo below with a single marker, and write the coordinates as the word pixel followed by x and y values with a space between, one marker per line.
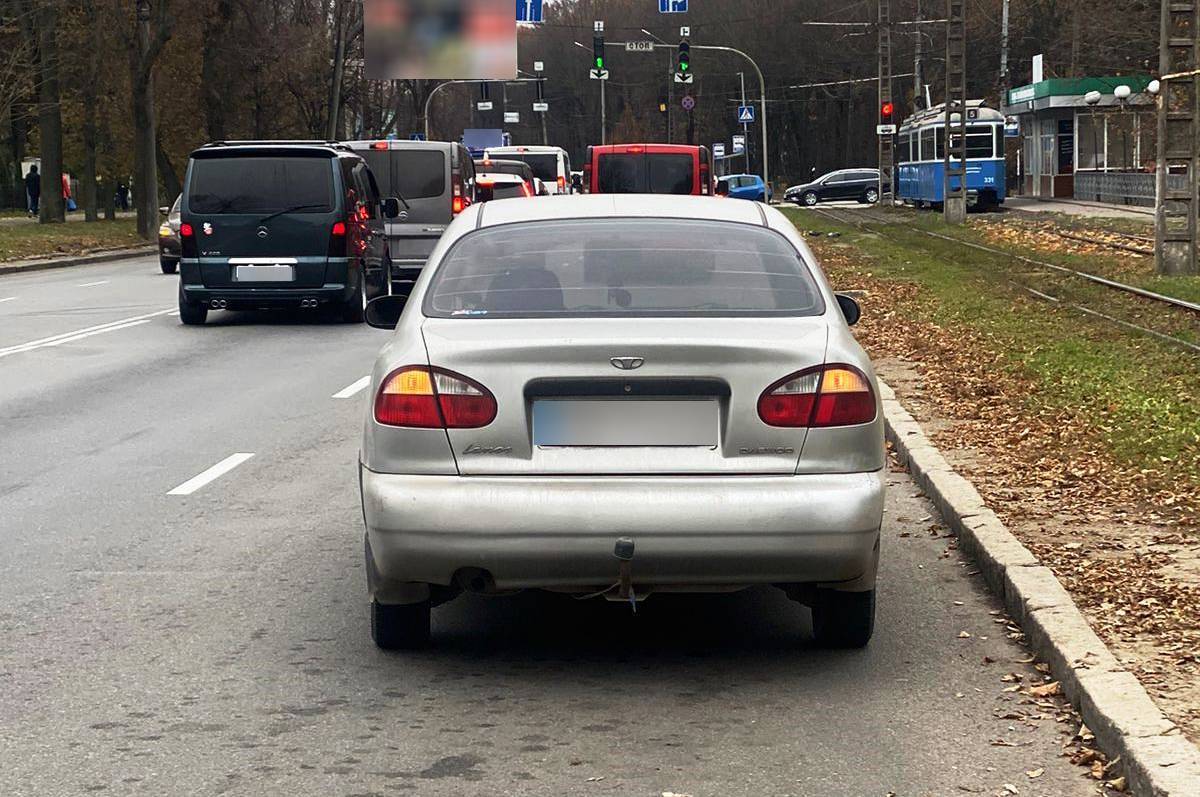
pixel 551 165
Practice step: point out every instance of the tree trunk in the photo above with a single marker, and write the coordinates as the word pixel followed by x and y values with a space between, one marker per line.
pixel 334 118
pixel 213 70
pixel 87 193
pixel 109 195
pixel 53 207
pixel 170 178
pixel 145 151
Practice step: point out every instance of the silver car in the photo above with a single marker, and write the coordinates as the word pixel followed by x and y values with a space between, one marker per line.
pixel 616 395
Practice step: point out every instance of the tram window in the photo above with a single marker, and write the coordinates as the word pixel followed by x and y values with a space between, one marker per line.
pixel 927 144
pixel 939 143
pixel 979 141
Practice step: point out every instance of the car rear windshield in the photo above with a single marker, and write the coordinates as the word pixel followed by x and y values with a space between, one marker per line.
pixel 652 173
pixel 261 184
pixel 408 173
pixel 622 267
pixel 545 166
pixel 500 167
pixel 486 192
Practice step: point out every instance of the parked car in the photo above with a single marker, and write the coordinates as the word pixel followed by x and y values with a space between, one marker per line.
pixel 497 185
pixel 279 224
pixel 648 169
pixel 617 395
pixel 743 186
pixel 168 238
pixel 551 165
pixel 858 184
pixel 435 181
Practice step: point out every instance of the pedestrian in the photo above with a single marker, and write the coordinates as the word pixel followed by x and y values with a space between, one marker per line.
pixel 123 196
pixel 33 189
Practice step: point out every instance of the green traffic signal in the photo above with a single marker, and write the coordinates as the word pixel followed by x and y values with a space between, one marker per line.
pixel 599 63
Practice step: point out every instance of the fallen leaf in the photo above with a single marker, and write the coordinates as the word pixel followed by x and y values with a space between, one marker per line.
pixel 1035 773
pixel 964 635
pixel 1046 690
pixel 1011 789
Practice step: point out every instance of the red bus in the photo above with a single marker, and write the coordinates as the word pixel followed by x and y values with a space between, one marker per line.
pixel 648 169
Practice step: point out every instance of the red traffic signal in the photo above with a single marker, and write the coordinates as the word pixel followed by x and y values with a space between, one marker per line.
pixel 886 111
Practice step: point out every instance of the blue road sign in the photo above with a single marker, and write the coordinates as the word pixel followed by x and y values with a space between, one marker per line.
pixel 529 10
pixel 672 6
pixel 745 114
pixel 416 137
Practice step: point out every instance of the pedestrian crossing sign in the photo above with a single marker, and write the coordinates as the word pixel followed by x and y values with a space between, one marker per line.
pixel 745 114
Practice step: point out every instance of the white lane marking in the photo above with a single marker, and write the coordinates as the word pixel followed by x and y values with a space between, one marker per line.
pixel 353 390
pixel 53 339
pixel 8 299
pixel 93 284
pixel 215 472
pixel 97 332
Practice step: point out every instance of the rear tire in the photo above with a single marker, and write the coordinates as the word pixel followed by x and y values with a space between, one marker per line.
pixel 191 313
pixel 810 198
pixel 843 619
pixel 871 196
pixel 355 310
pixel 403 627
pixel 168 266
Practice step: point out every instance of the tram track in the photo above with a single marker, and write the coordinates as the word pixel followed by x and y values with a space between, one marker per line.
pixel 857 218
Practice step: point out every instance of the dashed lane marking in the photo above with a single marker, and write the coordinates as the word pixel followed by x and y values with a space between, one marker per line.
pixel 212 474
pixel 353 390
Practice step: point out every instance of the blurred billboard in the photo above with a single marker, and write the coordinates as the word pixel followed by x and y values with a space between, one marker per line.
pixel 440 39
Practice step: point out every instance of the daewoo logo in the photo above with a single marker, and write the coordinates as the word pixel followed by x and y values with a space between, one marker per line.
pixel 628 363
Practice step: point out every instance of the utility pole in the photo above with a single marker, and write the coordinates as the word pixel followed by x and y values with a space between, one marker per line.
pixel 745 127
pixel 1175 214
pixel 886 138
pixel 954 182
pixel 918 58
pixel 1004 53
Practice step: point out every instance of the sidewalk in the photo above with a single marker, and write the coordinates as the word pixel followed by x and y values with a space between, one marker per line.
pixel 1076 207
pixel 71 217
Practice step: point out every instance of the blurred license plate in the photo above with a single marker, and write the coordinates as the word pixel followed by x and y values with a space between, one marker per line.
pixel 263 272
pixel 624 422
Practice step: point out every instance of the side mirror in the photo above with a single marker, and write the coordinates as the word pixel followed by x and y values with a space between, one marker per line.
pixel 384 312
pixel 164 210
pixel 850 309
pixel 391 207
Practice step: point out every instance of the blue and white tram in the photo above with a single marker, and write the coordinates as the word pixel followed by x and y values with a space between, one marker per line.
pixel 920 151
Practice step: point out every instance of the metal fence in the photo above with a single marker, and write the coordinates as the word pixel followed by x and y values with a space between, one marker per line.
pixel 1122 188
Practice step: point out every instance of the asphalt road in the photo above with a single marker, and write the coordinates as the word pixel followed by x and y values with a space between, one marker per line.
pixel 216 642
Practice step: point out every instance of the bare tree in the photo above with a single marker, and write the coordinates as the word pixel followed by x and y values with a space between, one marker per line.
pixel 152 30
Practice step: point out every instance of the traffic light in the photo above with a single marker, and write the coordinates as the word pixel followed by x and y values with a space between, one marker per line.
pixel 887 113
pixel 598 51
pixel 685 57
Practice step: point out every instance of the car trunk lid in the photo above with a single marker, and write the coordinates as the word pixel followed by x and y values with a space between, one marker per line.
pixel 625 396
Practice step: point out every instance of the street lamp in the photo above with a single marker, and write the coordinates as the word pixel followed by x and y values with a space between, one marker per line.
pixel 1092 98
pixel 1122 93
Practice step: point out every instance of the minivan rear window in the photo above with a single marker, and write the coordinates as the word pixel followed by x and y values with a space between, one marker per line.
pixel 545 167
pixel 650 173
pixel 622 267
pixel 261 184
pixel 408 173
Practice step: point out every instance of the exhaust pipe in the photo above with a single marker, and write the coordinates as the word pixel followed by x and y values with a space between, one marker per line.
pixel 218 304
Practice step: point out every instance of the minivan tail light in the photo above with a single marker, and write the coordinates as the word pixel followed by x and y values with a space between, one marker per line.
pixel 379 145
pixel 705 180
pixel 420 397
pixel 562 183
pixel 339 229
pixel 186 230
pixel 824 396
pixel 457 205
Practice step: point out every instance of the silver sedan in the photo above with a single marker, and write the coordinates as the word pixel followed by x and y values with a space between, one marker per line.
pixel 616 395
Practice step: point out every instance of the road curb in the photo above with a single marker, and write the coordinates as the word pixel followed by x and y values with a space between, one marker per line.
pixel 103 257
pixel 1158 759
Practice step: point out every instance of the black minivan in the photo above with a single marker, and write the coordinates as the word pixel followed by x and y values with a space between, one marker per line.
pixel 267 224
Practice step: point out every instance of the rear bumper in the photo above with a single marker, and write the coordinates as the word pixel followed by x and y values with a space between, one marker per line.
pixel 255 298
pixel 558 532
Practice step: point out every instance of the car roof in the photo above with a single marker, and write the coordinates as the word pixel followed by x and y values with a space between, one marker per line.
pixel 306 148
pixel 499 177
pixel 537 149
pixel 744 174
pixel 398 143
pixel 667 206
pixel 651 148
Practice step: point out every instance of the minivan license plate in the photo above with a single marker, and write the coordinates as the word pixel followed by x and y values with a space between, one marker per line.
pixel 263 272
pixel 625 422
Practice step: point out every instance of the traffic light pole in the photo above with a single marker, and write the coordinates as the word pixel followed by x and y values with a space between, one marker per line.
pixel 445 83
pixel 885 101
pixel 762 89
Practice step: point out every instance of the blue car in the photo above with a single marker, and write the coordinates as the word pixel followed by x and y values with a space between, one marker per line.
pixel 743 186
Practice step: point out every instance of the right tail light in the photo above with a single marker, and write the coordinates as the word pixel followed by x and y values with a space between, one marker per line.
pixel 820 397
pixel 420 397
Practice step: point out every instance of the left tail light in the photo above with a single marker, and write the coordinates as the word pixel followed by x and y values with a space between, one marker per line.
pixel 705 179
pixel 459 203
pixel 562 184
pixel 420 397
pixel 820 397
pixel 187 231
